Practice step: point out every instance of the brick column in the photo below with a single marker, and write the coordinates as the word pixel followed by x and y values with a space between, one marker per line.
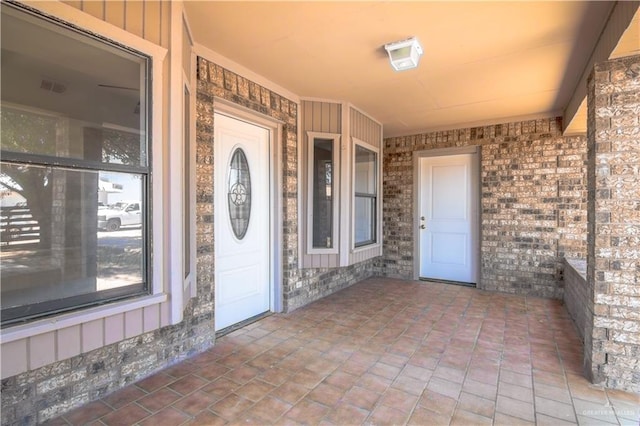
pixel 612 338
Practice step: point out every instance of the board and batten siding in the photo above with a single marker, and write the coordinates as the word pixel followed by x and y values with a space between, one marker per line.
pixel 366 129
pixel 320 117
pixel 149 20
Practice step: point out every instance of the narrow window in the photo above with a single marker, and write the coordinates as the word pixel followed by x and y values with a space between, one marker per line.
pixel 187 184
pixel 74 175
pixel 322 166
pixel 365 200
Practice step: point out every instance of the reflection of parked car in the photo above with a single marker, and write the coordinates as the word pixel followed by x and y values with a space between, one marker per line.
pixel 123 213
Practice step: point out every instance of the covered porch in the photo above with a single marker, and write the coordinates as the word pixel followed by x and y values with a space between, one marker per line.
pixel 383 351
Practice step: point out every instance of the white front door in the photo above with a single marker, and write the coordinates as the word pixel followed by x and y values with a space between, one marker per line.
pixel 242 221
pixel 447 222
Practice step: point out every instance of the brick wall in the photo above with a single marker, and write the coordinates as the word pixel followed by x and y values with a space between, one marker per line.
pixel 576 295
pixel 613 348
pixel 533 203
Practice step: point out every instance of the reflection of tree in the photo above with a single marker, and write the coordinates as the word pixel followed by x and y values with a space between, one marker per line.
pixel 30 133
pixel 120 147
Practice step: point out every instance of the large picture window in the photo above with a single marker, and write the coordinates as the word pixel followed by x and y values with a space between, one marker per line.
pixel 365 196
pixel 75 168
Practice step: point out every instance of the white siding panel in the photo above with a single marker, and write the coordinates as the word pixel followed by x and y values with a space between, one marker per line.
pixel 113 329
pixel 42 350
pixel 114 12
pixel 92 335
pixel 133 323
pixel 152 24
pixel 151 318
pixel 14 358
pixel 134 18
pixel 74 3
pixel 69 342
pixel 165 315
pixel 94 8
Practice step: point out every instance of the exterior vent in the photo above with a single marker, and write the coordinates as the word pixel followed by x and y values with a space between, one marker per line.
pixel 52 86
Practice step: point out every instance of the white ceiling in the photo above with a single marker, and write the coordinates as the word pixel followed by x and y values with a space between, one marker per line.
pixel 484 62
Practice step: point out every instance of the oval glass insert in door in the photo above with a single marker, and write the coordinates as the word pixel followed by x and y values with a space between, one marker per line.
pixel 239 193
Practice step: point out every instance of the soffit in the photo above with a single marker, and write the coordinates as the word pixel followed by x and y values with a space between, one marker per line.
pixel 484 62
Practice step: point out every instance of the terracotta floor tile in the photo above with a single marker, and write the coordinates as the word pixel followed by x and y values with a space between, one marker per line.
pixel 437 402
pixel 419 373
pixel 520 393
pixel 514 378
pixel 477 405
pixel 307 378
pixel 465 418
pixel 361 398
pixel 544 420
pixel 220 388
pixel 180 370
pixel 347 414
pixel 372 382
pixel 242 374
pixel 154 382
pixel 124 396
pixel 231 406
pixel 422 417
pixel 87 413
pixel 127 415
pixel 555 409
pixel 385 415
pixel 188 384
pixel 159 399
pixel 269 409
pixel 480 389
pixel 445 387
pixel 212 371
pixel 341 380
pixel 307 412
pixel 399 399
pixel 167 417
pixel 194 403
pixel 515 408
pixel 290 392
pixel 501 419
pixel 385 370
pixel 326 394
pixel 207 418
pixel 255 390
pixel 594 410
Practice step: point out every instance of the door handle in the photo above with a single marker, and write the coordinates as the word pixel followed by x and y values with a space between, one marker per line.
pixel 423 226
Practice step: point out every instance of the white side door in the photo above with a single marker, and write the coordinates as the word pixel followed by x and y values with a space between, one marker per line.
pixel 242 221
pixel 448 222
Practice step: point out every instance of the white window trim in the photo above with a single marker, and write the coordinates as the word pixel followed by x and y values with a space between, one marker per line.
pixel 376 150
pixel 157 296
pixel 335 184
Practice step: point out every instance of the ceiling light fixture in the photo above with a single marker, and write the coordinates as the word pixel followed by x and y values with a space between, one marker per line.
pixel 404 54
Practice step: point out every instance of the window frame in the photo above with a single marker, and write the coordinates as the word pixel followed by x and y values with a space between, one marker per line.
pixel 75 20
pixel 375 242
pixel 335 188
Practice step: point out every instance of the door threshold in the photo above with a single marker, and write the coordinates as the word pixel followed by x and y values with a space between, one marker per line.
pixel 241 324
pixel 438 280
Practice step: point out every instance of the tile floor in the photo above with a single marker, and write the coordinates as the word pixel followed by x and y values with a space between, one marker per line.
pixel 382 352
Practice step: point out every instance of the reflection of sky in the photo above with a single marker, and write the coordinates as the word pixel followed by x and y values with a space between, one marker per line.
pixel 131 186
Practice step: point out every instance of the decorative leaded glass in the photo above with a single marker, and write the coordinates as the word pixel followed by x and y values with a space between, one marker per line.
pixel 239 195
